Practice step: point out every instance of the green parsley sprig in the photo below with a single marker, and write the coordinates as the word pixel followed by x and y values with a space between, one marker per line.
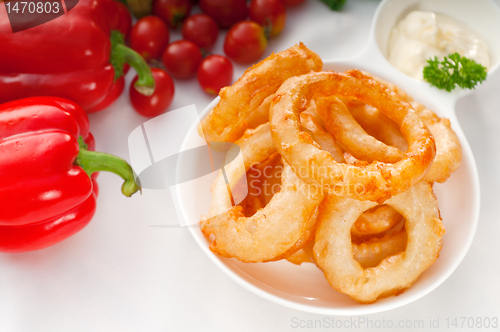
pixel 335 4
pixel 454 71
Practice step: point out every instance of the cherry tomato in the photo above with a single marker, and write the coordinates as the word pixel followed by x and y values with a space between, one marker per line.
pixel 173 12
pixel 271 14
pixel 182 58
pixel 149 37
pixel 214 73
pixel 201 29
pixel 160 100
pixel 290 3
pixel 245 42
pixel 225 12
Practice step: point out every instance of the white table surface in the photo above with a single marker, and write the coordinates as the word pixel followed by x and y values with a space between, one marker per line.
pixel 121 274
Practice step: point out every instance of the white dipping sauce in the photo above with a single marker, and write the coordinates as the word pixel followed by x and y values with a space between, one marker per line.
pixel 423 35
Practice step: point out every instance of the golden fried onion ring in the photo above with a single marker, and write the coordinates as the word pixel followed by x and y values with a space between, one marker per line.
pixel 319 135
pixel 299 257
pixel 344 128
pixel 333 249
pixel 255 146
pixel 377 124
pixel 274 232
pixel 264 180
pixel 377 181
pixel 252 202
pixel 370 253
pixel 376 220
pixel 448 147
pixel 230 118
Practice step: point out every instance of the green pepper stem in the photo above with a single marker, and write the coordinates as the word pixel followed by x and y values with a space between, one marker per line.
pixel 92 161
pixel 121 54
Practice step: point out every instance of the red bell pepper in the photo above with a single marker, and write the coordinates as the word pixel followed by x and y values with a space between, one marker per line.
pixel 78 56
pixel 47 172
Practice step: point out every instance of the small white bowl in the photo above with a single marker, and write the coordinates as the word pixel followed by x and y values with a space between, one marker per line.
pixel 304 287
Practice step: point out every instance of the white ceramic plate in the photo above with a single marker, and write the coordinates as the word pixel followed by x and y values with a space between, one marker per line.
pixel 304 287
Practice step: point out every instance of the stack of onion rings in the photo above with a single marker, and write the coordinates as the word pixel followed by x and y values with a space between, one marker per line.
pixel 316 132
